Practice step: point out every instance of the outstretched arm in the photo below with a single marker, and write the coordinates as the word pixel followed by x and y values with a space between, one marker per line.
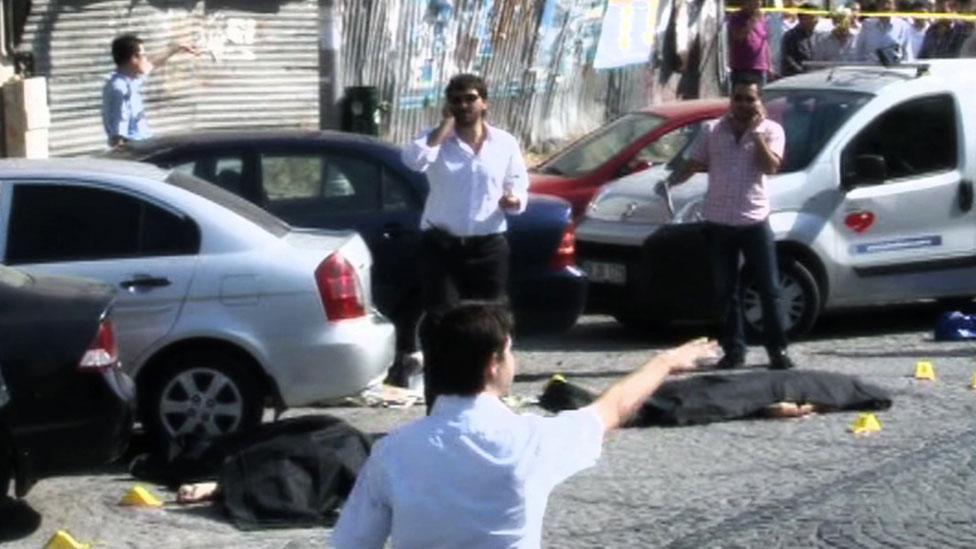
pixel 618 404
pixel 174 48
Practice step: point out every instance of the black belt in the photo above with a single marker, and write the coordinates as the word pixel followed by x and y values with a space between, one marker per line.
pixel 449 239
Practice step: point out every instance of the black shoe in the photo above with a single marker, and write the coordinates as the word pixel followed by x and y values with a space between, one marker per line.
pixel 730 362
pixel 779 360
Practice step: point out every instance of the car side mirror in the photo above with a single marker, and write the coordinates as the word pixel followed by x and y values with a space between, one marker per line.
pixel 870 169
pixel 634 166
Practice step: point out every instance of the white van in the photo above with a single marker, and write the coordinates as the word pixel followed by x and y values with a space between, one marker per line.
pixel 873 205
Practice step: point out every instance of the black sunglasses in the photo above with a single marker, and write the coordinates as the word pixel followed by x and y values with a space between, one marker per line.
pixel 465 98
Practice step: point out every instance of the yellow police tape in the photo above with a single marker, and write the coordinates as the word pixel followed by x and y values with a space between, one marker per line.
pixel 866 14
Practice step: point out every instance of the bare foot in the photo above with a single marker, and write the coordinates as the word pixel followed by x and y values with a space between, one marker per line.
pixel 197 492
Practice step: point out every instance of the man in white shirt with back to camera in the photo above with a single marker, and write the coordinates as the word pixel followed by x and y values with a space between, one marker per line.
pixel 474 474
pixel 477 176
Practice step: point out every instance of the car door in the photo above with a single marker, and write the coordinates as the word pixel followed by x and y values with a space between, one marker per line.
pixel 907 219
pixel 335 189
pixel 144 249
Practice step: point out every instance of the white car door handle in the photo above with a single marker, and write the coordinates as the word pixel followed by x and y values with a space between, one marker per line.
pixel 139 282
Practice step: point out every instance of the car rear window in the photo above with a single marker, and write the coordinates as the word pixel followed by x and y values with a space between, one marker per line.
pixel 230 201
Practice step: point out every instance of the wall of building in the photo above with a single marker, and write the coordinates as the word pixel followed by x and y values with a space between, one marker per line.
pixel 284 63
pixel 542 85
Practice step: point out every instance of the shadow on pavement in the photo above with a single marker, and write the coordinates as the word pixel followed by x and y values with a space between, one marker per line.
pixel 603 333
pixel 544 376
pixel 19 519
pixel 918 317
pixel 922 353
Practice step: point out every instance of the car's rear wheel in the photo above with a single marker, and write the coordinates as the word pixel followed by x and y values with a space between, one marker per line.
pixel 202 393
pixel 801 301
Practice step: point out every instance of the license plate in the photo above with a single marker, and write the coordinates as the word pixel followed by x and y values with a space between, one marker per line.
pixel 610 273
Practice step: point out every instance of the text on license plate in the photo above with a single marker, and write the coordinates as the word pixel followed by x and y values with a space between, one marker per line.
pixel 610 273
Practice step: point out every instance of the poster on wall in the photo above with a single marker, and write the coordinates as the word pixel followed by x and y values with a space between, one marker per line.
pixel 627 34
pixel 568 34
pixel 446 37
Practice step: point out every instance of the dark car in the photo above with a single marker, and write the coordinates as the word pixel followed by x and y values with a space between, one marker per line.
pixel 339 181
pixel 631 143
pixel 68 404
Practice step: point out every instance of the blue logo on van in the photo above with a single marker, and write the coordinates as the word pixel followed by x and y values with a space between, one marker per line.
pixel 898 245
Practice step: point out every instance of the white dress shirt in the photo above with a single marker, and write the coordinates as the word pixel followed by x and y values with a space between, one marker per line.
pixel 471 475
pixel 895 34
pixel 464 186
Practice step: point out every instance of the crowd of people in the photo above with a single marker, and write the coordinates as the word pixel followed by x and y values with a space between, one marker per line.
pixel 783 43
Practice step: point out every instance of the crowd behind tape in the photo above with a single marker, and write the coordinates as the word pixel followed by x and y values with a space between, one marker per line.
pixel 869 14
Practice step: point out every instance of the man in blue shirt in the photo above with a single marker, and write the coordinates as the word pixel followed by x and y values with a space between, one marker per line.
pixel 123 108
pixel 474 473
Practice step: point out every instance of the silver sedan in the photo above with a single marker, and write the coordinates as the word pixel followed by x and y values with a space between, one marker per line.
pixel 222 308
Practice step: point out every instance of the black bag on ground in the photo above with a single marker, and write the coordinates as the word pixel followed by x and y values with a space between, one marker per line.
pixel 708 398
pixel 296 472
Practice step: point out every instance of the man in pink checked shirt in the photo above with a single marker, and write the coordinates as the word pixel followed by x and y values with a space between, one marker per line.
pixel 739 151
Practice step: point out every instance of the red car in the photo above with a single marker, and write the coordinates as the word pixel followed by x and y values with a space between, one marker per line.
pixel 633 142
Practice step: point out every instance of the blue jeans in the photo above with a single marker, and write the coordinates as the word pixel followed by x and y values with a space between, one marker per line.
pixel 755 242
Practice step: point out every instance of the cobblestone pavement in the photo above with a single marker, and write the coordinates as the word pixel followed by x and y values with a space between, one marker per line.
pixel 758 483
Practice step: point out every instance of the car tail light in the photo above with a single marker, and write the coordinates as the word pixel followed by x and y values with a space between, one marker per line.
pixel 565 255
pixel 103 353
pixel 339 286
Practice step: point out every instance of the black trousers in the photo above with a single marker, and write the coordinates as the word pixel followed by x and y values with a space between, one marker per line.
pixel 755 243
pixel 454 269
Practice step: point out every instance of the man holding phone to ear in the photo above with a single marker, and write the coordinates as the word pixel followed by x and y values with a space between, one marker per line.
pixel 477 176
pixel 739 151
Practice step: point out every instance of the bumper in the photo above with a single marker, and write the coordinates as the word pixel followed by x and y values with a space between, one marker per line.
pixel 344 359
pixel 92 431
pixel 550 301
pixel 666 276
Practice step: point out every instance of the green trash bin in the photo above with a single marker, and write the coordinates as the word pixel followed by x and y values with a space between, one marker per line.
pixel 361 110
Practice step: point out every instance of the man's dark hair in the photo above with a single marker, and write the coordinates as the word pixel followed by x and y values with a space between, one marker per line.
pixel 459 343
pixel 746 79
pixel 808 6
pixel 124 47
pixel 465 82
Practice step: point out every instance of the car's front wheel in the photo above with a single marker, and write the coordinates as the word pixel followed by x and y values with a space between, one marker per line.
pixel 800 295
pixel 205 394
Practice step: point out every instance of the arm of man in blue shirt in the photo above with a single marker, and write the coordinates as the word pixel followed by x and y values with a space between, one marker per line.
pixel 115 112
pixel 618 404
pixel 367 518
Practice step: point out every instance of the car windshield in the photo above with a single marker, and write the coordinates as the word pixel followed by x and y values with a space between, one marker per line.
pixel 230 201
pixel 592 151
pixel 809 119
